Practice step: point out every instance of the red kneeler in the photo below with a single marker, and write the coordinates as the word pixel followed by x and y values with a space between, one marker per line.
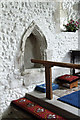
pixel 36 110
pixel 70 79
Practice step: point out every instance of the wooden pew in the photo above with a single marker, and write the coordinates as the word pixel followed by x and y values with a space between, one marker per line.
pixel 48 73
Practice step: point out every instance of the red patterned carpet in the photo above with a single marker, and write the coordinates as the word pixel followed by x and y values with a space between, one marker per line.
pixel 36 110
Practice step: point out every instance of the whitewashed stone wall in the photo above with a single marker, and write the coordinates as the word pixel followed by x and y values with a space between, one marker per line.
pixel 15 17
pixel 68 10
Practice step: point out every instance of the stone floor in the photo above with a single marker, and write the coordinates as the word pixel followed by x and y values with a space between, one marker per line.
pixel 58 93
pixel 64 90
pixel 63 108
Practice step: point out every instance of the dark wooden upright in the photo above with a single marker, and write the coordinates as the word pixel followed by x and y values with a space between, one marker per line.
pixel 74 55
pixel 48 76
pixel 48 80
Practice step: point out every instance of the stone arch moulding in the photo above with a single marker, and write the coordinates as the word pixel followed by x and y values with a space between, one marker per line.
pixel 33 46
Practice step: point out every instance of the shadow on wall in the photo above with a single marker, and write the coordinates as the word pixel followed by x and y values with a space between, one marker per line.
pixel 67 58
pixel 7 114
pixel 32 50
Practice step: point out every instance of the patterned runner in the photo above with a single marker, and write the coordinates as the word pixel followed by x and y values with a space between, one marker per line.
pixel 36 110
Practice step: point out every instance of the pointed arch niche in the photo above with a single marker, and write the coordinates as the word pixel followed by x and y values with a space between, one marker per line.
pixel 33 46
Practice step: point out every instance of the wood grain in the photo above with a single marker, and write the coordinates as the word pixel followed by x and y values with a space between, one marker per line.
pixel 60 64
pixel 48 80
pixel 48 76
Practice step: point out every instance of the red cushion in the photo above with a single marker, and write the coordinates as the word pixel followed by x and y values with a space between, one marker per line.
pixel 36 109
pixel 68 78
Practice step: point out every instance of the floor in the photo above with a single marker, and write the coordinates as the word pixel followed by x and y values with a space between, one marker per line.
pixel 64 91
pixel 15 113
pixel 54 104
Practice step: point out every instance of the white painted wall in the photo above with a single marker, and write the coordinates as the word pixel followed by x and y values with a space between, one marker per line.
pixel 15 18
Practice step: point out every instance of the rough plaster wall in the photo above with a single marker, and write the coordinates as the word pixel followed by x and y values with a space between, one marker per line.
pixel 79 24
pixel 14 19
pixel 62 44
pixel 79 40
pixel 68 10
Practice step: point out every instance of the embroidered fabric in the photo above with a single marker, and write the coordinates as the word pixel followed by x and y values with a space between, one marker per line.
pixel 35 109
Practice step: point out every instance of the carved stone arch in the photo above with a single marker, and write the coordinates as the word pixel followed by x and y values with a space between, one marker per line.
pixel 33 46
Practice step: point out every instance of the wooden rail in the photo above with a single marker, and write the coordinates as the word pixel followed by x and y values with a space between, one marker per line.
pixel 48 76
pixel 60 64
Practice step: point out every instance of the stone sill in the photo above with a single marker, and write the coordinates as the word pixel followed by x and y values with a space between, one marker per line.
pixel 69 32
pixel 32 70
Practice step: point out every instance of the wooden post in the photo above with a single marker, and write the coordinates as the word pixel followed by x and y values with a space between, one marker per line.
pixel 72 61
pixel 48 76
pixel 48 80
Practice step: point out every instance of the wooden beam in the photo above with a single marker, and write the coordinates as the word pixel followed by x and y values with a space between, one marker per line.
pixel 60 64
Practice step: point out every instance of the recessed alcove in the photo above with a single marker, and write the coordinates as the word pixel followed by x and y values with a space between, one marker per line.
pixel 33 46
pixel 32 50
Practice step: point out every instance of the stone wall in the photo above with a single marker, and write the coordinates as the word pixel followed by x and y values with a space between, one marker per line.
pixel 15 17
